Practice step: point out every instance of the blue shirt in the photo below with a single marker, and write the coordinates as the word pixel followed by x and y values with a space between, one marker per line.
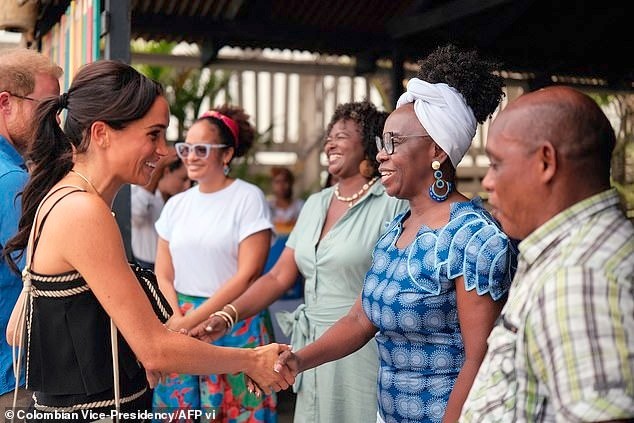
pixel 13 177
pixel 409 294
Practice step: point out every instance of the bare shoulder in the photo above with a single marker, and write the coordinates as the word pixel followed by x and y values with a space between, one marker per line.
pixel 77 223
pixel 73 207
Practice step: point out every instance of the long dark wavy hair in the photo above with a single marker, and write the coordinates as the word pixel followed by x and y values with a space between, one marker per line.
pixel 371 122
pixel 109 91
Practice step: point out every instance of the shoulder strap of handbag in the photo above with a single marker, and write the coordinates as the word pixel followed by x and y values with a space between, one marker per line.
pixel 115 369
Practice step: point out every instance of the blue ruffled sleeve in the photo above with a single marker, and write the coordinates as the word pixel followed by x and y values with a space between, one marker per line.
pixel 472 245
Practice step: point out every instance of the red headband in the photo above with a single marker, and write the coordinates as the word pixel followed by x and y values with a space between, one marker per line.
pixel 231 124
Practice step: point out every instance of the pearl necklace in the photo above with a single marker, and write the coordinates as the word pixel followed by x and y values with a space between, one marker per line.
pixel 354 197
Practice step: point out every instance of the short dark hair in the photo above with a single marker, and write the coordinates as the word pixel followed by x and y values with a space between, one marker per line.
pixel 279 170
pixel 286 172
pixel 369 119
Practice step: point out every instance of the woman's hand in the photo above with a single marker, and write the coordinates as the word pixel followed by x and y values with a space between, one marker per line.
pixel 287 366
pixel 178 323
pixel 261 371
pixel 153 378
pixel 210 330
pixel 288 361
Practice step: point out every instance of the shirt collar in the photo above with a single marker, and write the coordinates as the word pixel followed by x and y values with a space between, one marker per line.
pixel 7 149
pixel 558 227
pixel 377 188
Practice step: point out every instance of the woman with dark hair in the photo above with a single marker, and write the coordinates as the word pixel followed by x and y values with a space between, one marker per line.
pixel 79 291
pixel 441 271
pixel 285 209
pixel 330 246
pixel 213 243
pixel 284 206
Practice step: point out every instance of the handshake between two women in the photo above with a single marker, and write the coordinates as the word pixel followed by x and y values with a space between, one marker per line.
pixel 274 370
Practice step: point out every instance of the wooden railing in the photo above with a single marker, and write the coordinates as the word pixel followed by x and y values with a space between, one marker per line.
pixel 294 100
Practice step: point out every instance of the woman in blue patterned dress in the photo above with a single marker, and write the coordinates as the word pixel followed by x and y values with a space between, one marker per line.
pixel 441 271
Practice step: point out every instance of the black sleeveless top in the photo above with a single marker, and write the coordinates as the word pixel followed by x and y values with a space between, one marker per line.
pixel 68 358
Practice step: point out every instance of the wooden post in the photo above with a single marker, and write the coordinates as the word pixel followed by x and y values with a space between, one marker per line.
pixel 117 38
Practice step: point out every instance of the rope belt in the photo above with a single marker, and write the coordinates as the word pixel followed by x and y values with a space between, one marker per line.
pixel 89 405
pixel 59 293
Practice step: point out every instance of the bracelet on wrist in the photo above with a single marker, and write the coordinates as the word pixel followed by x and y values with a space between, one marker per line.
pixel 235 311
pixel 226 317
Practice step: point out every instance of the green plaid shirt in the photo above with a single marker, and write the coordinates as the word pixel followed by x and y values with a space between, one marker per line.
pixel 563 349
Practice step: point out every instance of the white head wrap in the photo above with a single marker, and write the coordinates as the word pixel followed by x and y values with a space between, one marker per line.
pixel 444 113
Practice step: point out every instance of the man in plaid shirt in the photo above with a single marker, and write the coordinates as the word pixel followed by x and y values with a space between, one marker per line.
pixel 563 349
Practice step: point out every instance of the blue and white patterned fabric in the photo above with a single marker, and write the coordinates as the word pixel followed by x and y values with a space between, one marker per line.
pixel 410 296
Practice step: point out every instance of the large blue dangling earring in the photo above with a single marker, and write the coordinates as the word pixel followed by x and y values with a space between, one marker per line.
pixel 439 183
pixel 226 169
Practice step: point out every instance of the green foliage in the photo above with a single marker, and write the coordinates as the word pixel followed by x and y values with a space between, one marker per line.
pixel 158 73
pixel 185 88
pixel 623 174
pixel 189 88
pixel 602 99
pixel 623 156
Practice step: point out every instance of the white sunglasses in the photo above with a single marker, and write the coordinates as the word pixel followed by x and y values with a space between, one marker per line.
pixel 200 150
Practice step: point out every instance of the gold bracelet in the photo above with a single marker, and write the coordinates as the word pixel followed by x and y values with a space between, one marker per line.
pixel 223 318
pixel 226 317
pixel 170 329
pixel 232 307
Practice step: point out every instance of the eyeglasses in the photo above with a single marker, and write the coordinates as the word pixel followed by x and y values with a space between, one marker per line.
pixel 23 97
pixel 389 140
pixel 200 150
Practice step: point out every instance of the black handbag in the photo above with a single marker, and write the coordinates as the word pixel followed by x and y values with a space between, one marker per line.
pixel 147 280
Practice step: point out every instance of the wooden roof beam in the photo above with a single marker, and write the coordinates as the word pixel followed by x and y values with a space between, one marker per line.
pixel 241 32
pixel 450 12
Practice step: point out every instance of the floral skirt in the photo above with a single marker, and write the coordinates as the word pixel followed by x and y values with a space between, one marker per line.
pixel 219 398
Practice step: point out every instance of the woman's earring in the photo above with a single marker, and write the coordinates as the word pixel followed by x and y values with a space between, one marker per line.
pixel 366 169
pixel 226 169
pixel 439 184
